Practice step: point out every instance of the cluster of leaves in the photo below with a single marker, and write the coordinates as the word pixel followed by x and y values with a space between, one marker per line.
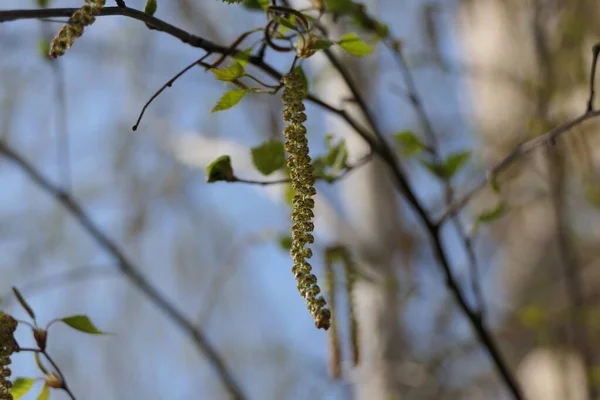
pixel 52 379
pixel 412 146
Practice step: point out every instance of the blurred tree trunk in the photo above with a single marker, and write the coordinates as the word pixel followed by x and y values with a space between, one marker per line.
pixel 370 205
pixel 547 46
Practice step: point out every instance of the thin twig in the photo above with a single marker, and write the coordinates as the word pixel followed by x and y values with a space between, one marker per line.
pixel 168 84
pixel 595 53
pixel 59 278
pixel 519 151
pixel 432 146
pixel 65 386
pixel 131 271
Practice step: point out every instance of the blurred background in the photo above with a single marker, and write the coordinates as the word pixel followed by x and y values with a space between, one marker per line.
pixel 490 74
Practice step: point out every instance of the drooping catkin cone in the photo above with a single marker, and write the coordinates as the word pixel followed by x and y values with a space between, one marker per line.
pixel 8 345
pixel 303 183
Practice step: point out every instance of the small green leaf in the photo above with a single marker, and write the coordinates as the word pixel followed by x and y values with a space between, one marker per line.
pixel 338 156
pixel 285 242
pixel 409 142
pixel 43 3
pixel 268 157
pixel 220 170
pixel 454 162
pixel 83 324
pixel 319 166
pixel 229 99
pixel 23 303
pixel 492 182
pixel 44 393
pixel 20 387
pixel 256 4
pixel 44 49
pixel 304 80
pixel 243 57
pixel 321 44
pixel 230 73
pixel 492 214
pixel 354 45
pixel 150 7
pixel 433 168
pixel 286 23
pixel 340 6
pixel 532 317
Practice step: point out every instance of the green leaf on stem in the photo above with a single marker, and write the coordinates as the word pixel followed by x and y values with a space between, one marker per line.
pixel 44 393
pixel 410 144
pixel 492 214
pixel 229 99
pixel 82 323
pixel 220 170
pixel 268 157
pixel 354 45
pixel 150 7
pixel 20 387
pixel 230 73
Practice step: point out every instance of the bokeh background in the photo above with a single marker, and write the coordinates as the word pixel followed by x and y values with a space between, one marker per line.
pixel 490 74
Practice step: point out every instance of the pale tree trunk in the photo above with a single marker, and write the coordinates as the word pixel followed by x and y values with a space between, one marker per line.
pixel 520 39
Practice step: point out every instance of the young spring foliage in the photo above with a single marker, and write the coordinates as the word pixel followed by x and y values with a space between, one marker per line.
pixel 303 184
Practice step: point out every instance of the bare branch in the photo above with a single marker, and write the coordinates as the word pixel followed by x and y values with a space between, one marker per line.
pixel 519 151
pixel 131 271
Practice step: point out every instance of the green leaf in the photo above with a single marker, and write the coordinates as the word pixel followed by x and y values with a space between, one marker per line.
pixel 454 162
pixel 21 386
pixel 354 45
pixel 220 170
pixel 304 80
pixel 23 303
pixel 285 242
pixel 286 22
pixel 229 99
pixel 340 6
pixel 230 73
pixel 256 4
pixel 319 165
pixel 83 324
pixel 150 7
pixel 44 48
pixel 268 157
pixel 321 44
pixel 43 3
pixel 433 168
pixel 243 57
pixel 338 156
pixel 44 393
pixel 532 317
pixel 492 182
pixel 492 214
pixel 410 144
pixel 450 166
